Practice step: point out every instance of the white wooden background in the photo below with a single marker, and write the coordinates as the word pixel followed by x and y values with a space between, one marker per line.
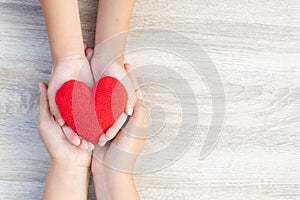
pixel 255 46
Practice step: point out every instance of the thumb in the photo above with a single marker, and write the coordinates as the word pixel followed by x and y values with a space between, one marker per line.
pixel 132 137
pixel 53 107
pixel 44 114
pixel 123 151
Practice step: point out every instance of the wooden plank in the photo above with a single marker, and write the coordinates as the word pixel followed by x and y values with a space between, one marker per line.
pixel 255 46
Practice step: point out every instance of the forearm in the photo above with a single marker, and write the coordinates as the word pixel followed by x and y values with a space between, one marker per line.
pixel 113 19
pixel 64 29
pixel 66 183
pixel 116 186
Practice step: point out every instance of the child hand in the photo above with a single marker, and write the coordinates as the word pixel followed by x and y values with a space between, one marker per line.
pixel 55 138
pixel 113 164
pixel 115 69
pixel 125 75
pixel 76 68
pixel 130 82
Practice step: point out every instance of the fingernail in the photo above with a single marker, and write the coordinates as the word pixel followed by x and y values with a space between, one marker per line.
pixel 61 122
pixel 76 141
pixel 111 132
pixel 139 94
pixel 130 111
pixel 91 146
pixel 102 140
pixel 85 144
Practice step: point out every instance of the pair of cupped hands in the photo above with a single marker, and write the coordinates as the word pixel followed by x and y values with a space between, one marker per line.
pixel 65 147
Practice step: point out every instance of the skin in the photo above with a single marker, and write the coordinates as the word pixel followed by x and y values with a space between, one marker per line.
pixel 113 19
pixel 69 169
pixel 111 179
pixel 67 51
pixel 69 60
pixel 70 164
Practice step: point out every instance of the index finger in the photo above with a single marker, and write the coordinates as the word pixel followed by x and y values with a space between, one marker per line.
pixel 44 113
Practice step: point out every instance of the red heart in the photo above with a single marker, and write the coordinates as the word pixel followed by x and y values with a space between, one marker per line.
pixel 91 112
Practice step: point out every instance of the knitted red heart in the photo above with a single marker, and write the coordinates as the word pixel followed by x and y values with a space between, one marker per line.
pixel 91 112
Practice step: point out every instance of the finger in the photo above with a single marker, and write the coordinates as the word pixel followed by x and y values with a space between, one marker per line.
pixel 139 94
pixel 132 137
pixel 123 151
pixel 44 112
pixel 91 146
pixel 103 140
pixel 137 126
pixel 114 129
pixel 130 104
pixel 85 145
pixel 53 108
pixel 71 135
pixel 89 53
pixel 131 75
pixel 55 112
pixel 127 67
pixel 132 96
pixel 139 117
pixel 46 121
pixel 127 83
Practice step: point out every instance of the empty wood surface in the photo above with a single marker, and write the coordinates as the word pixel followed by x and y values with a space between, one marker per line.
pixel 255 46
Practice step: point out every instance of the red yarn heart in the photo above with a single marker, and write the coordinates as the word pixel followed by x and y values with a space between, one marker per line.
pixel 91 112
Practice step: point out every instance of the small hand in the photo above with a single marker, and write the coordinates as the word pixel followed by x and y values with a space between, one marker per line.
pixel 125 75
pixel 77 68
pixel 134 94
pixel 102 66
pixel 56 138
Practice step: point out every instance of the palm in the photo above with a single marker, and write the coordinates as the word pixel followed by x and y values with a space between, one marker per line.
pixel 81 156
pixel 68 69
pixel 56 138
pixel 121 153
pixel 121 72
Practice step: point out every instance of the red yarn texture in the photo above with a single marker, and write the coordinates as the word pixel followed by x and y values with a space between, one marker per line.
pixel 90 112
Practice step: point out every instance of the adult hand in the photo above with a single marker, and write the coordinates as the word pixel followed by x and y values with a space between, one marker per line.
pixel 113 164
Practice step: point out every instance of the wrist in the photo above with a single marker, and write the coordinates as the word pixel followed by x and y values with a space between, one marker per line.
pixel 111 175
pixel 69 167
pixel 113 184
pixel 104 64
pixel 73 67
pixel 69 59
pixel 66 182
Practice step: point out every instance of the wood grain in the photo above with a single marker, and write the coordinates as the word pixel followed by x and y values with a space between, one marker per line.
pixel 255 46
